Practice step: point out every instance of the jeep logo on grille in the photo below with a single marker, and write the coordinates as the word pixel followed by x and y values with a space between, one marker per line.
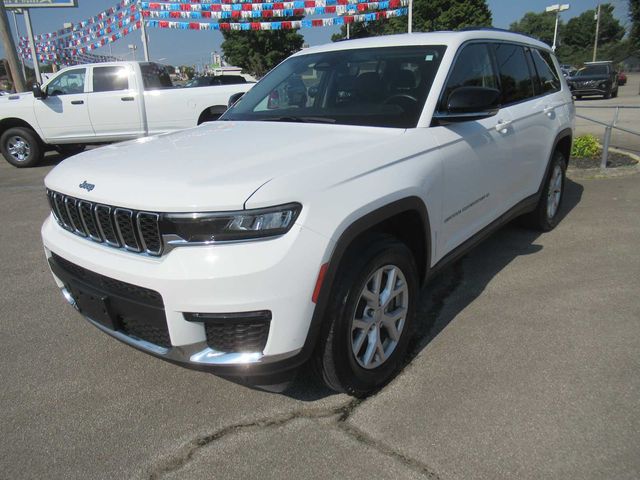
pixel 87 186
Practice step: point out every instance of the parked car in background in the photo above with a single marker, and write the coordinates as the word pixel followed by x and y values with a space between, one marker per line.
pixel 595 78
pixel 568 70
pixel 212 80
pixel 622 79
pixel 101 103
pixel 302 225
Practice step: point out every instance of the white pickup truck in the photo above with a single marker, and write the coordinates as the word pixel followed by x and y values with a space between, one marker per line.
pixel 102 103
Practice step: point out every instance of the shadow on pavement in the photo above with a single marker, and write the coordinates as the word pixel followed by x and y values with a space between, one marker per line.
pixel 492 255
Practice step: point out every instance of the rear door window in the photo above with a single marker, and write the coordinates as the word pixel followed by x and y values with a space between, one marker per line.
pixel 109 79
pixel 515 76
pixel 549 80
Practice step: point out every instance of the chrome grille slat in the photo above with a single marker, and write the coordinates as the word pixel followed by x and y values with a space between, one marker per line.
pixel 149 232
pixel 89 220
pixel 71 205
pixel 106 225
pixel 116 227
pixel 126 229
pixel 63 215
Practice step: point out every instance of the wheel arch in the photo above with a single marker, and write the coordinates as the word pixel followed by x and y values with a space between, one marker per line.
pixel 563 143
pixel 406 219
pixel 211 113
pixel 11 122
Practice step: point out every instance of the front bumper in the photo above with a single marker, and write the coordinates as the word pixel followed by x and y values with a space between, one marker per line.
pixel 589 91
pixel 277 275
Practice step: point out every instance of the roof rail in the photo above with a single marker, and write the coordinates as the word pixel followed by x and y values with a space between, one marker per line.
pixel 495 29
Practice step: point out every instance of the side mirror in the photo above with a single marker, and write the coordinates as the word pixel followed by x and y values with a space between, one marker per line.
pixel 37 91
pixel 470 103
pixel 233 99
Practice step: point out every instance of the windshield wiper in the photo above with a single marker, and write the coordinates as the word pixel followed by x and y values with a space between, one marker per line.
pixel 299 119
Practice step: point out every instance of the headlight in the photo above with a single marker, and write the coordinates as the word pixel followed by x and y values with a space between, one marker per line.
pixel 231 226
pixel 604 85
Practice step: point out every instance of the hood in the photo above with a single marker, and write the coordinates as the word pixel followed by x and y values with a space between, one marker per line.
pixel 216 166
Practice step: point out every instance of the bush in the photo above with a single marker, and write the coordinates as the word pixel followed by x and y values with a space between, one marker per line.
pixel 585 146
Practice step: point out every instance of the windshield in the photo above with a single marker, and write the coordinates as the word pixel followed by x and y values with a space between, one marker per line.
pixel 593 70
pixel 382 87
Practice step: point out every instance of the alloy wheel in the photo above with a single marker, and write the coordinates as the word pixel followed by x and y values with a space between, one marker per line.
pixel 380 317
pixel 555 192
pixel 18 148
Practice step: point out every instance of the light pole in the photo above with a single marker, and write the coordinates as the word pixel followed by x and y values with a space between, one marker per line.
pixel 558 7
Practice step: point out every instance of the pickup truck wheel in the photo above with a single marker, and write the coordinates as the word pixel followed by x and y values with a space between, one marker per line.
pixel 371 313
pixel 545 216
pixel 21 147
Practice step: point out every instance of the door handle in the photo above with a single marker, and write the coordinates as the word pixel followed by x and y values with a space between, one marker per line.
pixel 503 125
pixel 127 99
pixel 548 111
pixel 77 102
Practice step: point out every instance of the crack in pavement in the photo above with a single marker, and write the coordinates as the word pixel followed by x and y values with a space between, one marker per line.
pixel 429 329
pixel 180 458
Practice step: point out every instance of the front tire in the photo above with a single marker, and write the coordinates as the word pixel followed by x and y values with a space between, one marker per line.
pixel 370 317
pixel 545 216
pixel 21 147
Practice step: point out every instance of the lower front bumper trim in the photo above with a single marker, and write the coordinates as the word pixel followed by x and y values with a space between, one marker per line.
pixel 196 354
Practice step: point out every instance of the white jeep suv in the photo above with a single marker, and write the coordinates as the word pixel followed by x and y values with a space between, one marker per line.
pixel 301 225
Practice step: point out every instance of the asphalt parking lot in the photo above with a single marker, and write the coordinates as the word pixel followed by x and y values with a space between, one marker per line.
pixel 629 96
pixel 525 366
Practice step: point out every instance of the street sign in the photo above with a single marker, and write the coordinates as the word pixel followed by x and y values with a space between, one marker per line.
pixel 39 3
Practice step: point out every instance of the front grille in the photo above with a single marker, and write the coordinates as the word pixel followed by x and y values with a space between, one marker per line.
pixel 237 337
pixel 131 230
pixel 137 311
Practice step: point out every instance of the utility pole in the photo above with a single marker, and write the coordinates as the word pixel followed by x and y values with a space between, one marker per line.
pixel 595 45
pixel 10 50
pixel 32 45
pixel 145 40
pixel 15 25
pixel 410 17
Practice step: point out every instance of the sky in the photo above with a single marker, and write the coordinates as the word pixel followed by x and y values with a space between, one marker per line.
pixel 184 47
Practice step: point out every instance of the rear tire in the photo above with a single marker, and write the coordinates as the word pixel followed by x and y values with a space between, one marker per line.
pixel 21 147
pixel 545 217
pixel 369 318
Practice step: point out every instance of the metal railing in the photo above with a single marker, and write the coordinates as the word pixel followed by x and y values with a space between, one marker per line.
pixel 609 127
